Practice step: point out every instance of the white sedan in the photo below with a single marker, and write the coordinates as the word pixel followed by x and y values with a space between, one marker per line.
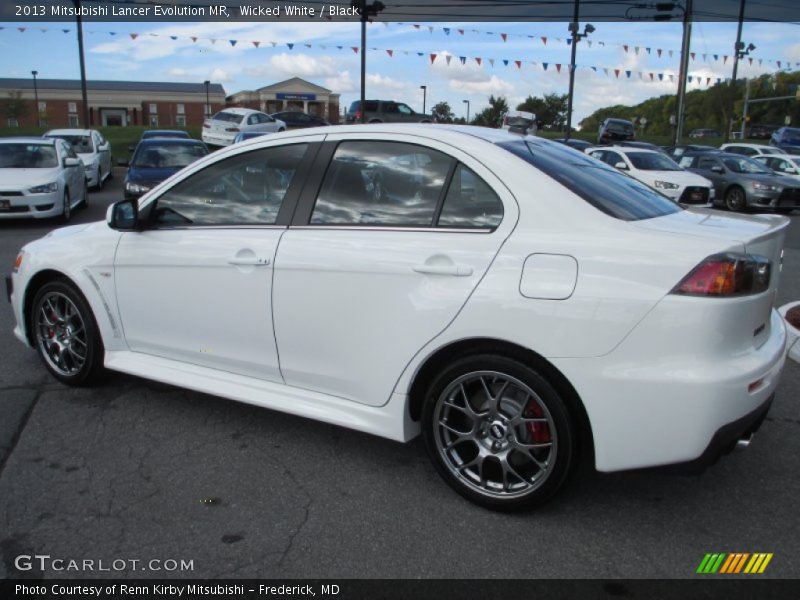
pixel 518 303
pixel 223 127
pixel 658 171
pixel 39 178
pixel 783 164
pixel 92 148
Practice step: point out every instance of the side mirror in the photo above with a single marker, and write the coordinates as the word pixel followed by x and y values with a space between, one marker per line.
pixel 72 162
pixel 621 166
pixel 123 215
pixel 717 169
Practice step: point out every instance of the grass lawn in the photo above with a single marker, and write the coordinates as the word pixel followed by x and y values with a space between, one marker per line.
pixel 120 137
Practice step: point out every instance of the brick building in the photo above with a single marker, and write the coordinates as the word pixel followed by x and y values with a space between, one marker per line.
pixel 292 94
pixel 155 104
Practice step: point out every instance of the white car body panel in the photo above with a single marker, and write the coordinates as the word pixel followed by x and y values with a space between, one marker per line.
pixel 354 322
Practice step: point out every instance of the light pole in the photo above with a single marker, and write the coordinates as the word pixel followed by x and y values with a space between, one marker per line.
pixel 424 89
pixel 576 37
pixel 365 11
pixel 36 99
pixel 207 111
pixel 467 103
pixel 684 68
pixel 740 52
pixel 79 23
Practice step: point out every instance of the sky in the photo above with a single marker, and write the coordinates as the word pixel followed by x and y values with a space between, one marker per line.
pixel 154 56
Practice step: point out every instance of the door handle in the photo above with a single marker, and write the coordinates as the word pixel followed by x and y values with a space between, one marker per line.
pixel 452 270
pixel 251 261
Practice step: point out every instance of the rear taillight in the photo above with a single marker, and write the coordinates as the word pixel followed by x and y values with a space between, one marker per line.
pixel 728 274
pixel 232 129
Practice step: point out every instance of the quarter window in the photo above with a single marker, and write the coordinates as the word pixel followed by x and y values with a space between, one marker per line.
pixel 381 183
pixel 247 189
pixel 470 202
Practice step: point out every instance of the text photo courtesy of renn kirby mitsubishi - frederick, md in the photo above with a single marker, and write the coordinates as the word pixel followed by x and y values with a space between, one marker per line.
pixel 398 299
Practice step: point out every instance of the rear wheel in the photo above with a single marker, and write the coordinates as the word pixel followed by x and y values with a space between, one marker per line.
pixel 735 199
pixel 65 334
pixel 66 213
pixel 498 432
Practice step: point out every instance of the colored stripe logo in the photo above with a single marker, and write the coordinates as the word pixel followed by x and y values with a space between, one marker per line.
pixel 734 563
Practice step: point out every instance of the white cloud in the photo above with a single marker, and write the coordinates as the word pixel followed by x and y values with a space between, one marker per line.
pixel 492 85
pixel 341 83
pixel 384 82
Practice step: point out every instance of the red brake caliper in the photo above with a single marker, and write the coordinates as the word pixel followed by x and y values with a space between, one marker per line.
pixel 539 432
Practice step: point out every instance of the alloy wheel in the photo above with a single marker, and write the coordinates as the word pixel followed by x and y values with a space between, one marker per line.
pixel 61 333
pixel 495 434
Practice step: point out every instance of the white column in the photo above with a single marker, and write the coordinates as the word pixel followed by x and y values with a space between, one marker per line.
pixel 305 106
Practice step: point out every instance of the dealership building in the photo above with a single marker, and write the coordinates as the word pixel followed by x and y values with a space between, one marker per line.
pixel 292 94
pixel 121 103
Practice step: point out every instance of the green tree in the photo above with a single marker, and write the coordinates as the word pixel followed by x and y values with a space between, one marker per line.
pixel 550 111
pixel 14 107
pixel 490 116
pixel 442 112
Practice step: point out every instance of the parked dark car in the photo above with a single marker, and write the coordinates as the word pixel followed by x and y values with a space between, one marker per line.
pixel 676 152
pixel 385 111
pixel 741 183
pixel 787 139
pixel 295 119
pixel 156 159
pixel 579 145
pixel 761 132
pixel 704 133
pixel 616 130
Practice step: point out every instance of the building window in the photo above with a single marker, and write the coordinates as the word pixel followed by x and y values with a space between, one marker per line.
pixel 153 120
pixel 72 107
pixel 153 109
pixel 181 109
pixel 72 121
pixel 180 121
pixel 42 107
pixel 13 122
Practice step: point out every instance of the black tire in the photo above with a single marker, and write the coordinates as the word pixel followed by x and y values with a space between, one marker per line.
pixel 100 181
pixel 495 441
pixel 735 199
pixel 46 309
pixel 66 213
pixel 85 203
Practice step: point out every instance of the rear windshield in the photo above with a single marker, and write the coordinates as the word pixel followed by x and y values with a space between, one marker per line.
pixel 167 156
pixel 619 125
pixel 228 117
pixel 82 144
pixel 28 156
pixel 606 189
pixel 519 122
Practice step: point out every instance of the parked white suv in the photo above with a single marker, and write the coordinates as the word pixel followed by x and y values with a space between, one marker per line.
pixel 513 300
pixel 659 171
pixel 92 148
pixel 223 127
pixel 751 149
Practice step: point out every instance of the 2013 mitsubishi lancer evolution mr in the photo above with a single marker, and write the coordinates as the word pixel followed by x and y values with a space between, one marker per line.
pixel 516 302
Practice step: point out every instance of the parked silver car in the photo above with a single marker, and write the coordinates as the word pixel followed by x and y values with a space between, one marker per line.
pixel 223 127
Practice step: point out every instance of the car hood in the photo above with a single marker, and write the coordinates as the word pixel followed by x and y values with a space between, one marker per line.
pixel 69 230
pixel 151 176
pixel 683 178
pixel 13 179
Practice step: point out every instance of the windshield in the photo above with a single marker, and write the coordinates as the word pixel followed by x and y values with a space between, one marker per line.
pixel 167 156
pixel 740 164
pixel 228 117
pixel 82 144
pixel 651 161
pixel 27 156
pixel 791 135
pixel 606 189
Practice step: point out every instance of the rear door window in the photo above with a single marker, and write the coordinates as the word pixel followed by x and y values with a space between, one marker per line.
pixel 470 202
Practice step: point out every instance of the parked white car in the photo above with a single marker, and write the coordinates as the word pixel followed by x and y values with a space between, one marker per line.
pixel 519 121
pixel 658 171
pixel 783 164
pixel 93 150
pixel 751 149
pixel 39 178
pixel 223 127
pixel 520 304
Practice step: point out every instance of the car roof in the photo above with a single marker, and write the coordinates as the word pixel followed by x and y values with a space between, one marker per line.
pixel 745 145
pixel 28 139
pixel 238 110
pixel 58 132
pixel 157 131
pixel 624 148
pixel 168 140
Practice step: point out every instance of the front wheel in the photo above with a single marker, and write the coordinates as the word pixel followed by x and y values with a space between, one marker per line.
pixel 498 432
pixel 65 334
pixel 735 199
pixel 66 213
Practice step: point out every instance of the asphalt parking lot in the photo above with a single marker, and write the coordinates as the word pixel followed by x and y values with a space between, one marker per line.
pixel 136 470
